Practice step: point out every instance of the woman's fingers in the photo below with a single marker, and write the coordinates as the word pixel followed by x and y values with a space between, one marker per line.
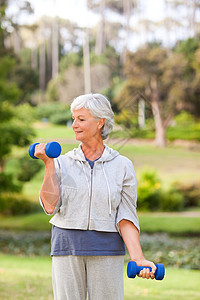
pixel 146 274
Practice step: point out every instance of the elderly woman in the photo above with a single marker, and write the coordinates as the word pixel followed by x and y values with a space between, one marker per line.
pixel 91 191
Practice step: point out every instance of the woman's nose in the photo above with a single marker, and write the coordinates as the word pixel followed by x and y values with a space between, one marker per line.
pixel 74 124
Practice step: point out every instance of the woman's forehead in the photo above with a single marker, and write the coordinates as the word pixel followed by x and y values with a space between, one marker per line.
pixel 81 112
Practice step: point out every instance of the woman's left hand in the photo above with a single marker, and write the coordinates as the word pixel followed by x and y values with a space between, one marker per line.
pixel 145 273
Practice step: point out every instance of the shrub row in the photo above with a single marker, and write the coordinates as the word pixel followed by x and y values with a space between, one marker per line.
pixel 7 183
pixel 56 113
pixel 28 168
pixel 152 197
pixel 16 204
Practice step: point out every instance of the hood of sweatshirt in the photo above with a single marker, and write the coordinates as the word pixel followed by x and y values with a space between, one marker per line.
pixel 108 154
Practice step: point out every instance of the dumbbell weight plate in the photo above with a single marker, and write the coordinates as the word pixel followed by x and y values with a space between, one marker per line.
pixel 53 149
pixel 31 151
pixel 160 272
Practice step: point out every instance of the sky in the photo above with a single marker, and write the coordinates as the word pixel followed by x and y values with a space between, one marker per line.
pixel 76 10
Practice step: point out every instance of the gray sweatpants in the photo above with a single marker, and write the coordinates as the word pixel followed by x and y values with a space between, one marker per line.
pixel 102 277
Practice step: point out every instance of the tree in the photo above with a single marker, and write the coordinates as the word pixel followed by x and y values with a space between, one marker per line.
pixel 108 31
pixel 185 12
pixel 13 130
pixel 159 79
pixel 190 48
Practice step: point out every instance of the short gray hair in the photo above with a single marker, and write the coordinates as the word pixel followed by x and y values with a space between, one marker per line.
pixel 99 106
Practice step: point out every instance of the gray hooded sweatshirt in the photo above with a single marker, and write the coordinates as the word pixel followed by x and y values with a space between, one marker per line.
pixel 98 198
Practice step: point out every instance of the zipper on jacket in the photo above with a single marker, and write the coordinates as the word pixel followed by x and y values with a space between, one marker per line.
pixel 90 201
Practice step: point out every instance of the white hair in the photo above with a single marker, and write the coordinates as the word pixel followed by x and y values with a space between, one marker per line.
pixel 99 106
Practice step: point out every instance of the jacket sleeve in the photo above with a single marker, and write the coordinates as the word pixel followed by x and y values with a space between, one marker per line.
pixel 128 204
pixel 58 177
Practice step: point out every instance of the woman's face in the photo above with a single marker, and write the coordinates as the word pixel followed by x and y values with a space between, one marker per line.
pixel 85 126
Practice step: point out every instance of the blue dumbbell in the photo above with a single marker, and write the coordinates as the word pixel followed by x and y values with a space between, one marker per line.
pixel 133 270
pixel 52 150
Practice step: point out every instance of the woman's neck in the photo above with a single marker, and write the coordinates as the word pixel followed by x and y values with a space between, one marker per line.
pixel 93 151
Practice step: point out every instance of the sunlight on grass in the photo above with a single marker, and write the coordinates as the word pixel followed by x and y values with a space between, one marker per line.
pixel 177 283
pixel 30 278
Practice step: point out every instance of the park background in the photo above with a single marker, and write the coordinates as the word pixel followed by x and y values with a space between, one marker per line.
pixel 145 57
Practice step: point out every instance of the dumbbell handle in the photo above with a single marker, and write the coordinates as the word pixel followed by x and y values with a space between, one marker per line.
pixel 133 270
pixel 52 150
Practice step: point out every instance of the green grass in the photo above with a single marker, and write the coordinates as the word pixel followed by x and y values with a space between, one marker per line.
pixel 48 131
pixel 31 222
pixel 178 283
pixel 171 163
pixel 25 278
pixel 30 278
pixel 173 223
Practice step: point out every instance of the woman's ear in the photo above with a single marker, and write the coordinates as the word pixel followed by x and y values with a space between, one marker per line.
pixel 101 122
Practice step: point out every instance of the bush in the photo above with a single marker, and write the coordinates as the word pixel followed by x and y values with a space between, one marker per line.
pixel 61 118
pixel 151 196
pixel 7 183
pixel 16 204
pixel 149 191
pixel 191 193
pixel 186 127
pixel 50 109
pixel 28 168
pixel 172 200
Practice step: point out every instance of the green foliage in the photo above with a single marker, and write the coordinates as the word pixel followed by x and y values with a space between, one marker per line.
pixel 188 47
pixel 28 168
pixel 129 122
pixel 70 59
pixel 126 118
pixel 7 183
pixel 149 191
pixel 179 252
pixel 190 192
pixel 16 204
pixel 171 200
pixel 186 127
pixel 52 93
pixel 61 118
pixel 8 89
pixel 183 127
pixel 26 79
pixel 152 197
pixel 57 113
pixel 15 126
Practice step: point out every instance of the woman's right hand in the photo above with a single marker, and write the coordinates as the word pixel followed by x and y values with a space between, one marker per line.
pixel 40 152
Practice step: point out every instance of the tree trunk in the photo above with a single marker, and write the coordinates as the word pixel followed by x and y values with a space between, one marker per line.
pixel 16 41
pixel 55 54
pixel 42 71
pixel 34 59
pixel 2 165
pixel 49 58
pixel 127 8
pixel 100 39
pixel 160 139
pixel 86 60
pixel 141 113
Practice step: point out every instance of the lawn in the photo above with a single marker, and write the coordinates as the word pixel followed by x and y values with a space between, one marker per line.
pixel 173 223
pixel 172 164
pixel 30 278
